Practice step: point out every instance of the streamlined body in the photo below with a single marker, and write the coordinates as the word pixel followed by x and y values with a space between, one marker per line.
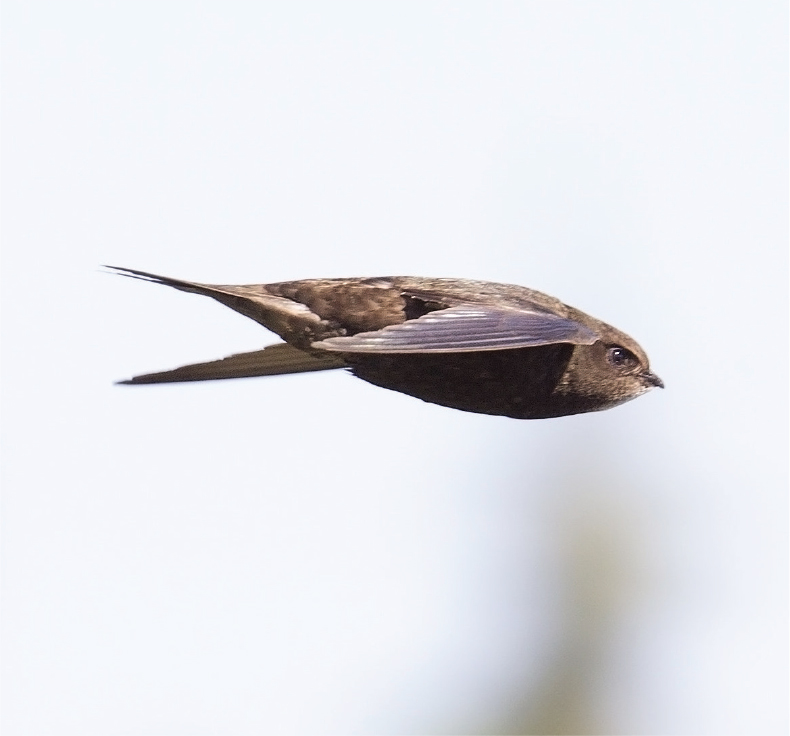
pixel 471 345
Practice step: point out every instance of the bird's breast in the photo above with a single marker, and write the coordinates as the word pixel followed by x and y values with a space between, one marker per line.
pixel 515 383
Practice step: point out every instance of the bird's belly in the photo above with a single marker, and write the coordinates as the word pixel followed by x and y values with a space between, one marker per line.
pixel 516 383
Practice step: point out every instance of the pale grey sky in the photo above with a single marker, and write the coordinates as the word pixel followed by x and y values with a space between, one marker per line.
pixel 310 554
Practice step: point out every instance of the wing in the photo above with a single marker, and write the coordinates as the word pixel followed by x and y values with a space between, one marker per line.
pixel 271 361
pixel 466 328
pixel 285 317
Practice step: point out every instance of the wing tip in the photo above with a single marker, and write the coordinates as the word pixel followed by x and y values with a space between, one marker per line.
pixel 137 381
pixel 132 273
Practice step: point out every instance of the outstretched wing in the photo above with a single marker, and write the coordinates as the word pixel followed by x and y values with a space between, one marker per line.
pixel 271 361
pixel 282 316
pixel 466 328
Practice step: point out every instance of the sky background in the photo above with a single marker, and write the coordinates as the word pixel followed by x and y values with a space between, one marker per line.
pixel 311 554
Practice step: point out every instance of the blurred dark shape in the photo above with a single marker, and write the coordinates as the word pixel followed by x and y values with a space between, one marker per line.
pixel 599 579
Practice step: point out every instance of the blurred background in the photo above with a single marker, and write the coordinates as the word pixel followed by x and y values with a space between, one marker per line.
pixel 310 554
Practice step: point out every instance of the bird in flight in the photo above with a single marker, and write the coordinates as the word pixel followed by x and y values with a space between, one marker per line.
pixel 476 346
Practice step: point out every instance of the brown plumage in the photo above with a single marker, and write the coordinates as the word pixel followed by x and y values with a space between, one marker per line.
pixel 471 345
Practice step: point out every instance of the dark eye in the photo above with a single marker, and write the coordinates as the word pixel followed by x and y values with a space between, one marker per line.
pixel 622 358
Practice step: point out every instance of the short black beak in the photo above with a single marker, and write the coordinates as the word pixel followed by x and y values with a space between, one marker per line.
pixel 652 379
